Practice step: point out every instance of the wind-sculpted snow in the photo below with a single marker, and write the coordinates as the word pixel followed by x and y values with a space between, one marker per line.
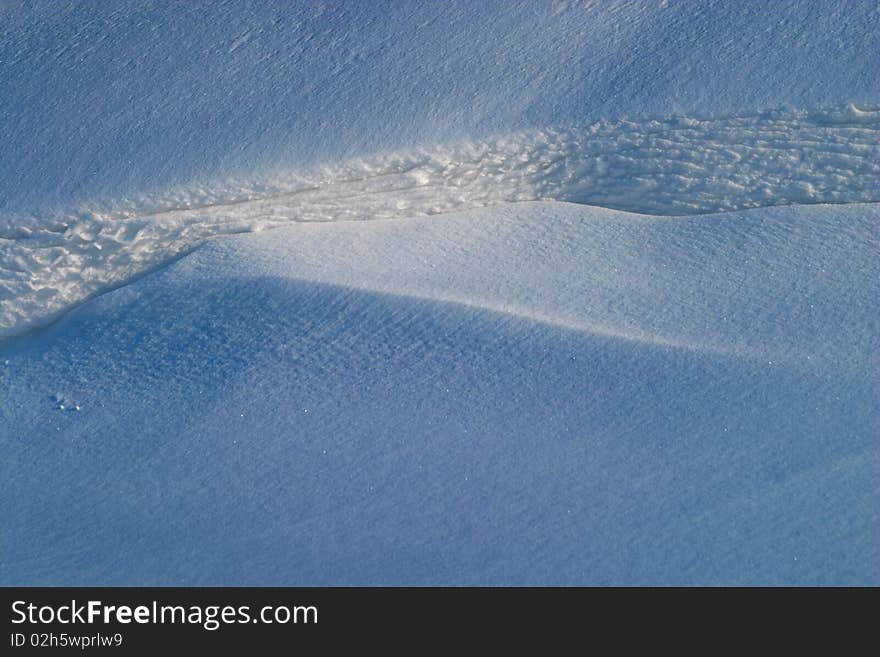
pixel 375 403
pixel 755 285
pixel 673 166
pixel 101 100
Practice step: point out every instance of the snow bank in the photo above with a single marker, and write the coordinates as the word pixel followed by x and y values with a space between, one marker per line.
pixel 539 393
pixel 102 100
pixel 676 166
pixel 505 392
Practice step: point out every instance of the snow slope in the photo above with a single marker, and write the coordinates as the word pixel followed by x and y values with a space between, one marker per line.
pixel 675 166
pixel 105 99
pixel 439 293
pixel 539 393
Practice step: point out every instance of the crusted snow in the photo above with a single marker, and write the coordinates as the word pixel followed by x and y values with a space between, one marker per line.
pixel 674 166
pixel 439 292
pixel 527 394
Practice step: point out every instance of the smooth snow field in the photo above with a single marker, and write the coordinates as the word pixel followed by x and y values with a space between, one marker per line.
pixel 401 293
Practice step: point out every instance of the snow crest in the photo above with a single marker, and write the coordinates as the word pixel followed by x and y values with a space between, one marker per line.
pixel 672 166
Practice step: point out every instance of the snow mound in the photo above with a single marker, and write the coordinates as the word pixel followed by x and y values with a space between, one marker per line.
pixel 101 102
pixel 674 166
pixel 677 387
pixel 526 394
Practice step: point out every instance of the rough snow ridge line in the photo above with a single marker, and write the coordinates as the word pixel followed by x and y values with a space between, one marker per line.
pixel 673 166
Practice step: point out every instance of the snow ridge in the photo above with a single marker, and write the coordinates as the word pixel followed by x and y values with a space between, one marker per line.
pixel 672 166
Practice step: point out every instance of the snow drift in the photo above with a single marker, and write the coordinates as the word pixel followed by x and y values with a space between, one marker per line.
pixel 445 363
pixel 106 99
pixel 544 393
pixel 675 166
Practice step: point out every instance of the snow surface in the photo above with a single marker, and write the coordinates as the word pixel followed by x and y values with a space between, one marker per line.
pixel 439 293
pixel 105 99
pixel 539 393
pixel 675 166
